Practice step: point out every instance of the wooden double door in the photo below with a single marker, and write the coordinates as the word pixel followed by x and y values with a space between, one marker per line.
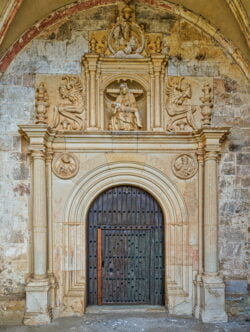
pixel 125 248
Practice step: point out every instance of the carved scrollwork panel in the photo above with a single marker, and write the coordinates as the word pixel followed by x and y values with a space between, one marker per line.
pixel 184 166
pixel 65 165
pixel 68 115
pixel 181 115
pixel 188 103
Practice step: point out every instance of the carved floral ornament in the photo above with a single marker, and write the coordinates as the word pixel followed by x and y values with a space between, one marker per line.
pixel 65 165
pixel 184 166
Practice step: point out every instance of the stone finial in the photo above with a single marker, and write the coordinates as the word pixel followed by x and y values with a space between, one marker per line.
pixel 42 104
pixel 207 104
pixel 92 45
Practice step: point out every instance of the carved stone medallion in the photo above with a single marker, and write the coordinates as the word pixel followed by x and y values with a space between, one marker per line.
pixel 65 165
pixel 126 38
pixel 184 166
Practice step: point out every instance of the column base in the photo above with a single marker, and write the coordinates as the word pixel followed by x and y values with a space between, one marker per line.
pixel 213 299
pixel 38 307
pixel 198 289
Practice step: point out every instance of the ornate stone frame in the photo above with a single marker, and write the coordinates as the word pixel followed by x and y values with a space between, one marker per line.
pixel 175 216
pixel 209 287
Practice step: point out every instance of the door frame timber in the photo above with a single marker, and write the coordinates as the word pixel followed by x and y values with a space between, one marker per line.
pixel 99 266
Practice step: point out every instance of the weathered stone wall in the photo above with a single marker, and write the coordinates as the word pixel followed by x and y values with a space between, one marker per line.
pixel 58 51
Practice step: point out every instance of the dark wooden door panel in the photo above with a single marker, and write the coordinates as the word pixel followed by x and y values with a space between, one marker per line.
pixel 125 248
pixel 126 267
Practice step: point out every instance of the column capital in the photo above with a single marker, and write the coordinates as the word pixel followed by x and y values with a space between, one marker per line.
pixel 36 135
pixel 211 155
pixel 90 61
pixel 49 155
pixel 212 138
pixel 158 60
pixel 37 154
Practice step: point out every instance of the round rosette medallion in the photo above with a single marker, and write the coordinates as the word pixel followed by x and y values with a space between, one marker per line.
pixel 65 165
pixel 184 166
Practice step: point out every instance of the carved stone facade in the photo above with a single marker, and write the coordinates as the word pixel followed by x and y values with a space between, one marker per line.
pixel 125 116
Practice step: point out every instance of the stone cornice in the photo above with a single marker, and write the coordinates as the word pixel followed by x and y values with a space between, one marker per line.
pixel 41 137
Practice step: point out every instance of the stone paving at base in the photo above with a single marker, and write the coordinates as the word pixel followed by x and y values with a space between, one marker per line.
pixel 153 322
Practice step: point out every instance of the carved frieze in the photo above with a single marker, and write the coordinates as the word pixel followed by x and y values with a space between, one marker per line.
pixel 184 166
pixel 65 165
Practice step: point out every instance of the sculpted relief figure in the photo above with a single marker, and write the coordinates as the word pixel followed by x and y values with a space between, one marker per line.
pixel 65 165
pixel 69 115
pixel 184 166
pixel 181 114
pixel 126 39
pixel 124 112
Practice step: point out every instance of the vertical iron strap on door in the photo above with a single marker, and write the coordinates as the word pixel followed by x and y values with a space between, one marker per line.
pixel 99 266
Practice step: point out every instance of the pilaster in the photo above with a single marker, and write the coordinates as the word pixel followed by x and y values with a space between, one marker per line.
pixel 91 61
pixel 212 291
pixel 198 281
pixel 38 306
pixel 158 62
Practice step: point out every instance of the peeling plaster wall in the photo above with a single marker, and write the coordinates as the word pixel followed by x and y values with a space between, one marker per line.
pixel 59 51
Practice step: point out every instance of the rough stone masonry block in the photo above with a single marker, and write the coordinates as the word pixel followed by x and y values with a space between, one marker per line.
pixel 236 287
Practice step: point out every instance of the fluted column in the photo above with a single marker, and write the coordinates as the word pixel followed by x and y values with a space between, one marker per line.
pixel 48 165
pixel 159 62
pixel 198 281
pixel 38 307
pixel 90 61
pixel 213 288
pixel 211 213
pixel 39 213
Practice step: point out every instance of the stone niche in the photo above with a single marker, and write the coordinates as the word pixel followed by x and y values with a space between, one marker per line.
pixel 124 121
pixel 143 78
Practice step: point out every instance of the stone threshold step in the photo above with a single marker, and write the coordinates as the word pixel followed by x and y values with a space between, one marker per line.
pixel 93 309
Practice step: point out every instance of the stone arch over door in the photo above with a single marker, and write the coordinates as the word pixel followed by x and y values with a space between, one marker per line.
pixel 178 270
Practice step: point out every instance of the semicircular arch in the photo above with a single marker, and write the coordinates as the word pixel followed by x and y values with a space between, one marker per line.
pixel 143 176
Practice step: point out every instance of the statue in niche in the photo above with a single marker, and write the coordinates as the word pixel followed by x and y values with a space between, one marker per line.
pixel 69 115
pixel 126 39
pixel 181 115
pixel 124 111
pixel 65 165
